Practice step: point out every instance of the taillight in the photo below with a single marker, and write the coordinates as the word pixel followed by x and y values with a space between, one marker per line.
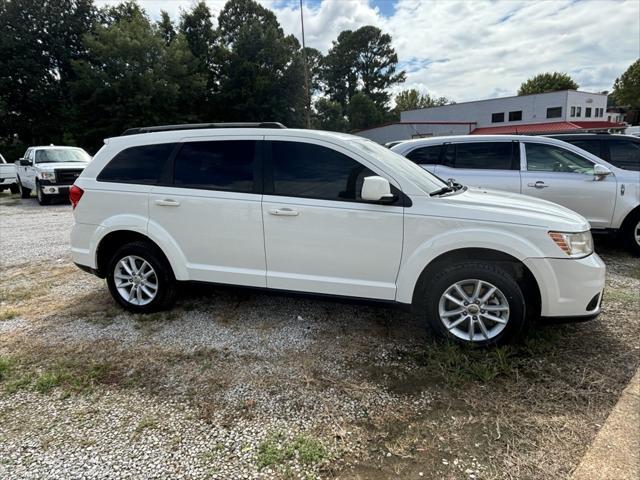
pixel 75 194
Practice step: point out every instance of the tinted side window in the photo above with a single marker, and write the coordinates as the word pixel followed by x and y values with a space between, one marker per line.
pixel 307 170
pixel 216 165
pixel 625 154
pixel 591 146
pixel 143 164
pixel 482 156
pixel 549 158
pixel 425 155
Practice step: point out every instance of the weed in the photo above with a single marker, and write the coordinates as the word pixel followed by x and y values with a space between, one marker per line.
pixel 8 314
pixel 49 380
pixel 6 365
pixel 271 451
pixel 147 422
pixel 12 386
pixel 275 451
pixel 310 450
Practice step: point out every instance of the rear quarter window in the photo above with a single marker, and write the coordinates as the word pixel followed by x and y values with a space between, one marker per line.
pixel 143 164
pixel 625 154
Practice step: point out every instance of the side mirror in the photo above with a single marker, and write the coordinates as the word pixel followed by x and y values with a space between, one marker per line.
pixel 25 162
pixel 376 189
pixel 600 171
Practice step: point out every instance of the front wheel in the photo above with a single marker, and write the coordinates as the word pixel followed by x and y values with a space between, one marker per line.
pixel 631 233
pixel 474 303
pixel 24 191
pixel 140 279
pixel 42 198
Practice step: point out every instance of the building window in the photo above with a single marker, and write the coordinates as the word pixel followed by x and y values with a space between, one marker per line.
pixel 554 112
pixel 587 112
pixel 573 111
pixel 515 116
pixel 601 112
pixel 578 111
pixel 497 117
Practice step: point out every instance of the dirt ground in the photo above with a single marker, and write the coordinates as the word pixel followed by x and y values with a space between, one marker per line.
pixel 240 384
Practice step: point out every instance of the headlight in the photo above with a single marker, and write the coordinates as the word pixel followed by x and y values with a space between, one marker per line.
pixel 576 245
pixel 48 176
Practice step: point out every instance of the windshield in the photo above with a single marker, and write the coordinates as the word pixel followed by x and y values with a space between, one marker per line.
pixel 59 155
pixel 424 180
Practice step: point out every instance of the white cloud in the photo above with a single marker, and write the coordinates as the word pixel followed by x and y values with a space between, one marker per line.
pixel 469 50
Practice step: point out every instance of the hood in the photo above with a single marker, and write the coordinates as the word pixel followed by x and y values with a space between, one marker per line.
pixel 504 207
pixel 50 166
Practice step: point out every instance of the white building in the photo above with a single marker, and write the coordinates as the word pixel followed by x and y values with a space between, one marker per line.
pixel 553 112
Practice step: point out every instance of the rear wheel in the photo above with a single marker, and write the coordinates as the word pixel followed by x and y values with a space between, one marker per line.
pixel 24 191
pixel 42 198
pixel 14 188
pixel 473 303
pixel 140 279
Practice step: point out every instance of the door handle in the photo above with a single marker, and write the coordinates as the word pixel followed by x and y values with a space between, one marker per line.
pixel 167 202
pixel 538 184
pixel 284 212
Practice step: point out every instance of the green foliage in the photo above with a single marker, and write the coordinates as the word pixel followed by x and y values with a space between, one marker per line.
pixel 626 89
pixel 329 116
pixel 6 364
pixel 275 450
pixel 412 99
pixel 363 112
pixel 132 78
pixel 361 61
pixel 547 82
pixel 165 28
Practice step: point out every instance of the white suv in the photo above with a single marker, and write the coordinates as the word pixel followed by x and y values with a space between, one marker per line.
pixel 607 196
pixel 326 213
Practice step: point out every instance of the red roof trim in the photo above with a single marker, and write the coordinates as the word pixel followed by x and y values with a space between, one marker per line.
pixel 415 123
pixel 549 127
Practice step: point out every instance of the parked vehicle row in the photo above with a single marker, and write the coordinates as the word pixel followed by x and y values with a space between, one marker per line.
pixel 49 171
pixel 7 176
pixel 328 213
pixel 540 167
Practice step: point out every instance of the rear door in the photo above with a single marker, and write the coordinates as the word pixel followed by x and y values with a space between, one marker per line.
pixel 561 176
pixel 319 235
pixel 210 207
pixel 494 165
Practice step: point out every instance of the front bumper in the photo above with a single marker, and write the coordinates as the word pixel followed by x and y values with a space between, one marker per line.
pixel 54 189
pixel 570 289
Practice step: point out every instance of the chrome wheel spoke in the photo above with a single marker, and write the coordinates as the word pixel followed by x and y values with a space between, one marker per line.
pixel 485 310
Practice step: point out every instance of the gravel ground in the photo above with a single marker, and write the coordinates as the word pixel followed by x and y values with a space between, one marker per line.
pixel 239 384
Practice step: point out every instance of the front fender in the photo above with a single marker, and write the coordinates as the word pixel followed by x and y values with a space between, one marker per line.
pixel 423 254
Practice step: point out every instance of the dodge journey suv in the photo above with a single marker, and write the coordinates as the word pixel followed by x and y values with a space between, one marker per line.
pixel 326 213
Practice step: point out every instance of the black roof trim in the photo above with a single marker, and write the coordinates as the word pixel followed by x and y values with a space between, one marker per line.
pixel 198 126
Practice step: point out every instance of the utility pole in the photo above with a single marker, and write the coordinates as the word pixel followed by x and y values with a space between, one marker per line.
pixel 307 110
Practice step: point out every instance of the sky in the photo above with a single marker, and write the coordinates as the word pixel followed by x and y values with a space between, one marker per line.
pixel 471 50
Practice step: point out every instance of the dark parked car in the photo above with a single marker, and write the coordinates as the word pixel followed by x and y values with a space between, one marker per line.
pixel 623 151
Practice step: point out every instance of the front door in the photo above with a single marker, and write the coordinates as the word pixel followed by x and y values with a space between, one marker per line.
pixel 493 165
pixel 561 176
pixel 319 235
pixel 212 211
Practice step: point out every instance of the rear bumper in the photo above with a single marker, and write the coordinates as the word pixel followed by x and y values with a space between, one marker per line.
pixel 570 290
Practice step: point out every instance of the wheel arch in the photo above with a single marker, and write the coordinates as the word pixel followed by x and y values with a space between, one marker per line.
pixel 629 217
pixel 113 240
pixel 525 278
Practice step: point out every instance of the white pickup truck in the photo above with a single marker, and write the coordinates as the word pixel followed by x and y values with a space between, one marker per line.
pixel 7 176
pixel 50 171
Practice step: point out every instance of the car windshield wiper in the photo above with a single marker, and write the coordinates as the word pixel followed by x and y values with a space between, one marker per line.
pixel 451 187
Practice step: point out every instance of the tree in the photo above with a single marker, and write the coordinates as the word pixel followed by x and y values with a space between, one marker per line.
pixel 165 27
pixel 197 28
pixel 261 70
pixel 547 82
pixel 412 99
pixel 132 78
pixel 363 112
pixel 328 115
pixel 626 89
pixel 39 41
pixel 361 61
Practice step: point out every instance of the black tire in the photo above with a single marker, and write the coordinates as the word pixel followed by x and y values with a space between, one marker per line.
pixel 24 191
pixel 431 290
pixel 14 188
pixel 166 291
pixel 629 232
pixel 42 198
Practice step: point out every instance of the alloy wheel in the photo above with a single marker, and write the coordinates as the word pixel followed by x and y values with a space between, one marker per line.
pixel 636 233
pixel 474 310
pixel 136 280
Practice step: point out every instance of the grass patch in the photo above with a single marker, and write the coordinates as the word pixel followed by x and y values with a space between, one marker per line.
pixel 147 422
pixel 8 314
pixel 19 383
pixel 275 451
pixel 6 365
pixel 49 379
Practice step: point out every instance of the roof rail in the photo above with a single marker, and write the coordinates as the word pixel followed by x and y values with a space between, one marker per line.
pixel 197 126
